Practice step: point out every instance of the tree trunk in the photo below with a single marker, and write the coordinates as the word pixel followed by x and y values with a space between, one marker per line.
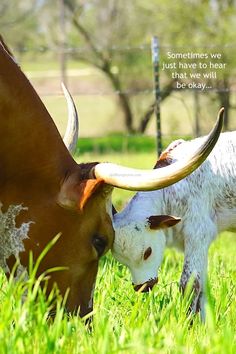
pixel 224 98
pixel 103 64
pixel 146 118
pixel 149 112
pixel 196 112
pixel 125 105
pixel 123 99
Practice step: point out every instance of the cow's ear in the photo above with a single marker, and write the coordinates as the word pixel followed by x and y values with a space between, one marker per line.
pixel 156 222
pixel 75 193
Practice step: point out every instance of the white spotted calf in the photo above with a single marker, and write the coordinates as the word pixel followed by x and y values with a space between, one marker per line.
pixel 187 215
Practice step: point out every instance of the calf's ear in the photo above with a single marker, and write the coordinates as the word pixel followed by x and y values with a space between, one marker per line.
pixel 156 222
pixel 75 193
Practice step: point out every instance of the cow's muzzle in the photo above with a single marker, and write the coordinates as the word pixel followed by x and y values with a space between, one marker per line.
pixel 146 287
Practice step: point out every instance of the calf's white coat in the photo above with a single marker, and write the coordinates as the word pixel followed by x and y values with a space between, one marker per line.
pixel 206 203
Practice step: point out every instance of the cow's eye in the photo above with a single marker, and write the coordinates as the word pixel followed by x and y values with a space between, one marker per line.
pixel 99 244
pixel 147 253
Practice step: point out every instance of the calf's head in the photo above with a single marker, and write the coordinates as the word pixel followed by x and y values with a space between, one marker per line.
pixel 140 244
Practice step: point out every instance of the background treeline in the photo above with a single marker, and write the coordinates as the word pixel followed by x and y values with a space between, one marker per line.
pixel 101 48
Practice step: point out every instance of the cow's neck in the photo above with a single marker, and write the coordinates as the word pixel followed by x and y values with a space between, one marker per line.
pixel 30 143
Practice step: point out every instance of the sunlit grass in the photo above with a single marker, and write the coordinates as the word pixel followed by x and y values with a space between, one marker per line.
pixel 125 321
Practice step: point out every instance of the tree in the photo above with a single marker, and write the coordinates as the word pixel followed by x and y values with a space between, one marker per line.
pixel 203 26
pixel 114 36
pixel 18 23
pixel 111 27
pixel 101 27
pixel 106 30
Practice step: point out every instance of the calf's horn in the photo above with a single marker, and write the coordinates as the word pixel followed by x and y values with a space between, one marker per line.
pixel 147 180
pixel 72 130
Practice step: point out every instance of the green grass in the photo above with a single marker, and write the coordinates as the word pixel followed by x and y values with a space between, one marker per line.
pixel 119 143
pixel 125 321
pixel 96 114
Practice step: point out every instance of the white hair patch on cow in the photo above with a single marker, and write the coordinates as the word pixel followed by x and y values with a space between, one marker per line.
pixel 11 237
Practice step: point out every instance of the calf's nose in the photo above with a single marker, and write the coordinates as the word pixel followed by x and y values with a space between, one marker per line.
pixel 146 287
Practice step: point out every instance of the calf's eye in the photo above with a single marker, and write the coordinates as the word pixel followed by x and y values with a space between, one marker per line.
pixel 147 253
pixel 99 243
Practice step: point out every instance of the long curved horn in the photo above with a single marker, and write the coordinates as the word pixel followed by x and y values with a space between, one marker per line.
pixel 72 130
pixel 147 180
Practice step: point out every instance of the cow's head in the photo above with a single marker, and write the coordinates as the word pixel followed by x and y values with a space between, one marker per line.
pixel 141 227
pixel 88 208
pixel 59 195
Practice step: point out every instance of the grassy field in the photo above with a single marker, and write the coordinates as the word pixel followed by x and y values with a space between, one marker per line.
pixel 97 102
pixel 125 321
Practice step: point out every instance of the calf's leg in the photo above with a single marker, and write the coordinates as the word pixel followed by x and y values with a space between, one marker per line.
pixel 194 272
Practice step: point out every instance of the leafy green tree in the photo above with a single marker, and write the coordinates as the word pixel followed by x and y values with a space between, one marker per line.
pixel 114 36
pixel 110 34
pixel 18 23
pixel 201 26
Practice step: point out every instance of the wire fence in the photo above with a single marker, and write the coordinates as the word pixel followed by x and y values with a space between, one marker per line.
pixel 70 51
pixel 124 48
pixel 86 82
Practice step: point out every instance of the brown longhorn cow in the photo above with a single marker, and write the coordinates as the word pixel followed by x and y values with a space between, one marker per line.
pixel 43 191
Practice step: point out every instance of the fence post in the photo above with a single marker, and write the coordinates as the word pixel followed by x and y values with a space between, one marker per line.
pixel 155 61
pixel 197 112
